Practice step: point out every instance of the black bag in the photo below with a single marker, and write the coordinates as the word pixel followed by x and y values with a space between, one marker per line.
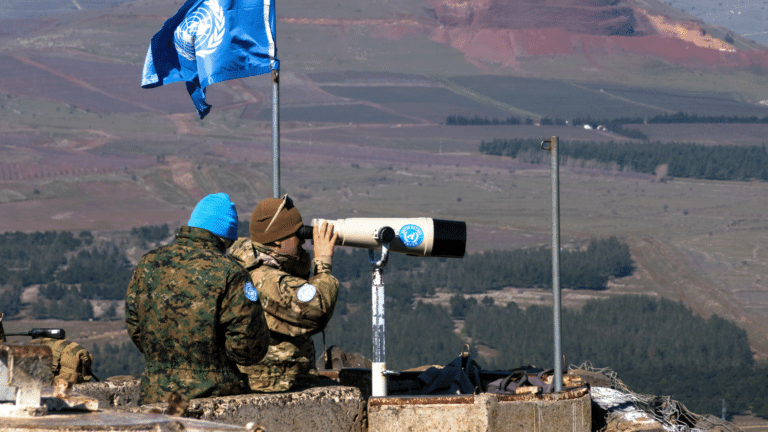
pixel 461 376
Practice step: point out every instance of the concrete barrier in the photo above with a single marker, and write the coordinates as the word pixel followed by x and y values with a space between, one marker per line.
pixel 560 412
pixel 325 408
pixel 344 408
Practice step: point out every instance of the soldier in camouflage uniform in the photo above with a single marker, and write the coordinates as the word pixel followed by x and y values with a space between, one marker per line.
pixel 296 305
pixel 193 311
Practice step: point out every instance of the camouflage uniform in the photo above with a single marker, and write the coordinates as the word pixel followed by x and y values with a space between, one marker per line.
pixel 186 309
pixel 290 359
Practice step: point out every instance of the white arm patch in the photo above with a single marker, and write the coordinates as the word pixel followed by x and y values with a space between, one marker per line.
pixel 306 293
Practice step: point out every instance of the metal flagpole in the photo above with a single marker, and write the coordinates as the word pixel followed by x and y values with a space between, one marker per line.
pixel 275 133
pixel 275 101
pixel 555 174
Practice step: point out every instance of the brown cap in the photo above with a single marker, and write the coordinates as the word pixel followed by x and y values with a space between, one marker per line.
pixel 274 219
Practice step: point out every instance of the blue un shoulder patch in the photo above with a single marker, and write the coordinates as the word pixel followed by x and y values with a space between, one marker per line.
pixel 250 292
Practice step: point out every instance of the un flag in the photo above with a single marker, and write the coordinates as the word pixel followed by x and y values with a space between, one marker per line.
pixel 208 41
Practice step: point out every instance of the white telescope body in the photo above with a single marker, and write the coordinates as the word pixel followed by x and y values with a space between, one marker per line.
pixel 424 237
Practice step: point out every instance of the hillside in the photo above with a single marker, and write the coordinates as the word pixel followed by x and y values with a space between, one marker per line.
pixel 746 18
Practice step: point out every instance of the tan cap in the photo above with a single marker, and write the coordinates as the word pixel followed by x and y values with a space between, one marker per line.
pixel 274 219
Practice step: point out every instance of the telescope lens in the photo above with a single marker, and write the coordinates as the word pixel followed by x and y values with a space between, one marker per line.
pixel 450 238
pixel 305 232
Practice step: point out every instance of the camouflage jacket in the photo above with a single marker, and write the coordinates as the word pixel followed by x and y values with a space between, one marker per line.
pixel 194 314
pixel 295 307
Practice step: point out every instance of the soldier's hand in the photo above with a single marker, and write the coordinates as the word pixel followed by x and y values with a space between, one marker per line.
pixel 324 237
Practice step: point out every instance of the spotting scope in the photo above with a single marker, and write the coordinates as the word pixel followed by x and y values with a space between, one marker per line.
pixel 425 237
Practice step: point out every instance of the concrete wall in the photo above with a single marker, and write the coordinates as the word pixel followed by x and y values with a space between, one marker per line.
pixel 328 408
pixel 569 411
pixel 343 408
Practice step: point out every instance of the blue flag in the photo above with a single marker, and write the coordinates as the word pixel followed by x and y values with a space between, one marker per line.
pixel 209 41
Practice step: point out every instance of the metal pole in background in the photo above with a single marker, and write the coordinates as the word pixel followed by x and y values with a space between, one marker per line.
pixel 554 167
pixel 275 134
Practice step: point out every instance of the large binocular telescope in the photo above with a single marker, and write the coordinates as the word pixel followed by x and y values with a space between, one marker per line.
pixel 423 237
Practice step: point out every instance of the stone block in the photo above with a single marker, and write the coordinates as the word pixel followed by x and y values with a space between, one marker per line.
pixel 117 393
pixel 329 408
pixel 559 412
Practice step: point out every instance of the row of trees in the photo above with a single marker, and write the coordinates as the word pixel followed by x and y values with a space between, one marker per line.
pixel 685 160
pixel 590 267
pixel 457 120
pixel 679 117
pixel 615 125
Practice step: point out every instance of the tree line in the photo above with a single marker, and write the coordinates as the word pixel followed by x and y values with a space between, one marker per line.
pixel 684 160
pixel 589 267
pixel 615 125
pixel 679 117
pixel 457 120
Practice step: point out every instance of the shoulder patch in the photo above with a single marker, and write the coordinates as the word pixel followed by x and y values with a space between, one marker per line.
pixel 250 292
pixel 306 293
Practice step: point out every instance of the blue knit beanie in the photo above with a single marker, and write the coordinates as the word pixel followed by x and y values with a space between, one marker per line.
pixel 217 214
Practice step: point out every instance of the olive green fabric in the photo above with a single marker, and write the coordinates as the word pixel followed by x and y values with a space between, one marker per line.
pixel 71 362
pixel 295 308
pixel 186 309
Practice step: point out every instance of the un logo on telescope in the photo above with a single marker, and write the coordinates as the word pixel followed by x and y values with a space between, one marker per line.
pixel 201 32
pixel 411 235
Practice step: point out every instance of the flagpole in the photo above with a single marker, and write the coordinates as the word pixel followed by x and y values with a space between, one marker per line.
pixel 275 134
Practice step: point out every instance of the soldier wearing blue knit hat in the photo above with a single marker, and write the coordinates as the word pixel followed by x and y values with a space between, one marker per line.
pixel 194 312
pixel 217 214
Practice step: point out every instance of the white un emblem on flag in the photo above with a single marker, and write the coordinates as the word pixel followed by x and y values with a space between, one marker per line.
pixel 201 32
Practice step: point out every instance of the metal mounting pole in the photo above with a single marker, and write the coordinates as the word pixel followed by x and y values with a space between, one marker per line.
pixel 555 177
pixel 379 366
pixel 275 134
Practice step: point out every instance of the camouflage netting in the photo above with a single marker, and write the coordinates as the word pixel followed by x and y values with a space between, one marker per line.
pixel 617 408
